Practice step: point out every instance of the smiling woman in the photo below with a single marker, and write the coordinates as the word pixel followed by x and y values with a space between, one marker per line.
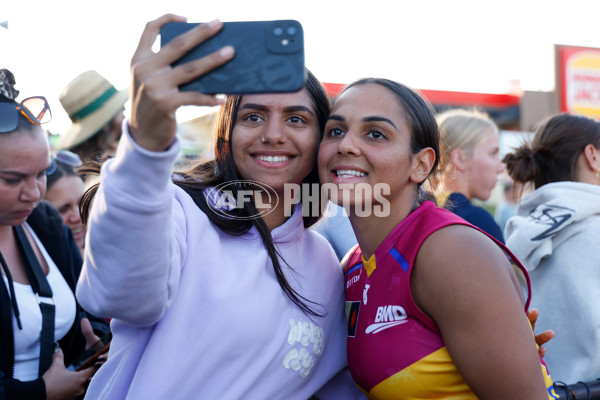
pixel 161 256
pixel 411 283
pixel 286 151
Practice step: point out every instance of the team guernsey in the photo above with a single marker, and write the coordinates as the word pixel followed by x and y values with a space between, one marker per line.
pixel 395 351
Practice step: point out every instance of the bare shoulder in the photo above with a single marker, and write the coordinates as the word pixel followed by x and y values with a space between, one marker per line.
pixel 461 246
pixel 460 262
pixel 463 281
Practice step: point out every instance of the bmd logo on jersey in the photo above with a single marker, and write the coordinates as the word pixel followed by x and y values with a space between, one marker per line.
pixel 387 317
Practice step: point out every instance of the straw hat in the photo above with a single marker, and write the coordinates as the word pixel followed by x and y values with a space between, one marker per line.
pixel 91 102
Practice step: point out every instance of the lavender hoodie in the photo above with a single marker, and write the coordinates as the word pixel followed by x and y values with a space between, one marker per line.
pixel 199 314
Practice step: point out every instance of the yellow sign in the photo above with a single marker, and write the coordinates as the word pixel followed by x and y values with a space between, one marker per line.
pixel 582 77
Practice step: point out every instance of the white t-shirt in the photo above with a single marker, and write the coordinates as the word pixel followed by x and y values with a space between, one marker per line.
pixel 27 340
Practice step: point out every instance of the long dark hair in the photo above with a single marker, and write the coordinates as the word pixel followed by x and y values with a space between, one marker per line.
pixel 222 169
pixel 203 175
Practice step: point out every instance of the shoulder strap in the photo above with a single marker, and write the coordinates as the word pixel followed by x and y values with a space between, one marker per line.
pixel 35 274
pixel 41 287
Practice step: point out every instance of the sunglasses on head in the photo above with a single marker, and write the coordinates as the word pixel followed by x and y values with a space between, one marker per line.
pixel 65 157
pixel 35 109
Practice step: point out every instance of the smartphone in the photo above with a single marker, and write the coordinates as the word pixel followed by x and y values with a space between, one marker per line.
pixel 89 357
pixel 269 57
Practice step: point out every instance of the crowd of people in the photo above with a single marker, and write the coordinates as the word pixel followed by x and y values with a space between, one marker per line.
pixel 208 297
pixel 43 328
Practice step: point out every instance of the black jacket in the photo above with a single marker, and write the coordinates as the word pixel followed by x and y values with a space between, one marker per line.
pixel 58 241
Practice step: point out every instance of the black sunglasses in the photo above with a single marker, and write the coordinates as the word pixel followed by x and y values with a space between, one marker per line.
pixel 65 157
pixel 35 109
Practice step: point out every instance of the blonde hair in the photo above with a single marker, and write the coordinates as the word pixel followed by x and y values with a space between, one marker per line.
pixel 462 129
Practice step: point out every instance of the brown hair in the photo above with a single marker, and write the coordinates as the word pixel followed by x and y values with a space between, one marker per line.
pixel 553 153
pixel 202 175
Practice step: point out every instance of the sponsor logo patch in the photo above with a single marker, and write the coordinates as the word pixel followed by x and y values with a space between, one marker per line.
pixel 387 317
pixel 351 280
pixel 352 310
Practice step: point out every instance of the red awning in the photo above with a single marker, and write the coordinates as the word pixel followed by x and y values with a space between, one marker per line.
pixel 456 99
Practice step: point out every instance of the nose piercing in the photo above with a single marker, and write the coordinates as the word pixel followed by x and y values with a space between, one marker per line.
pixel 262 139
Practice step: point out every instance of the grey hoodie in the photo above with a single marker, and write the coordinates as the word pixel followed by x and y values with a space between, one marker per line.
pixel 556 235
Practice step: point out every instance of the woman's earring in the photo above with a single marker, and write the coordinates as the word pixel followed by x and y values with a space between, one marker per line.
pixel 597 171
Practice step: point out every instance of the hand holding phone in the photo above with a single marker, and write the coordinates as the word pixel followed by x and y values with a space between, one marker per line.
pixel 90 356
pixel 269 57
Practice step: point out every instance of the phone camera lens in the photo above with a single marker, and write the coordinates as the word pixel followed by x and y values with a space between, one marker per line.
pixel 291 31
pixel 278 31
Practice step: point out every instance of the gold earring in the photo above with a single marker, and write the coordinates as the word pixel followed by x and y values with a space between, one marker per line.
pixel 597 171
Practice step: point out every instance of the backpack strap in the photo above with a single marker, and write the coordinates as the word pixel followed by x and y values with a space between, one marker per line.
pixel 41 288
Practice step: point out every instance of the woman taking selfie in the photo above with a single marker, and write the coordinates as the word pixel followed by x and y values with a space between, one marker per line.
pixel 232 302
pixel 40 264
pixel 435 309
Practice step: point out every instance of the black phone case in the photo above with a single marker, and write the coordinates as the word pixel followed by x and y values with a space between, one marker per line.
pixel 269 57
pixel 88 357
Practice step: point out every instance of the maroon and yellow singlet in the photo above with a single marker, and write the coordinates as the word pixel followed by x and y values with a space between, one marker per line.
pixel 395 351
